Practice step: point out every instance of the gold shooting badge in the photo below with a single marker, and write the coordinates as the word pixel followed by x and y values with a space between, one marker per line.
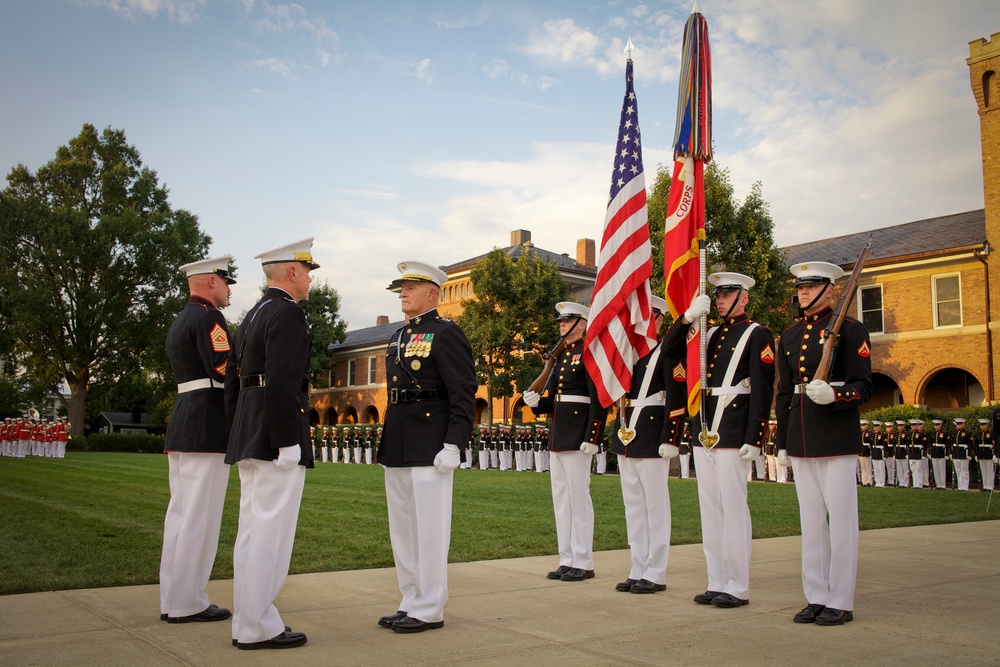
pixel 415 364
pixel 708 439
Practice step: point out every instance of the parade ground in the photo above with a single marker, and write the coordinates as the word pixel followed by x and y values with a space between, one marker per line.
pixel 926 595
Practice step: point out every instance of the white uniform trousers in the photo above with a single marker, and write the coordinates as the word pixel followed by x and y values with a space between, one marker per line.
pixel 326 452
pixel 368 456
pixel 647 516
pixel 761 464
pixel 198 484
pixel 890 470
pixel 772 467
pixel 917 472
pixel 529 460
pixel 419 502
pixel 961 473
pixel 357 455
pixel 878 471
pixel 269 511
pixel 866 470
pixel 685 461
pixel 781 474
pixel 988 470
pixel 828 515
pixel 467 463
pixel 602 463
pixel 574 509
pixel 940 481
pixel 902 474
pixel 494 460
pixel 725 519
pixel 335 454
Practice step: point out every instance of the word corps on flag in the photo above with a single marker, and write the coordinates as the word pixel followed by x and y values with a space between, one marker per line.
pixel 683 228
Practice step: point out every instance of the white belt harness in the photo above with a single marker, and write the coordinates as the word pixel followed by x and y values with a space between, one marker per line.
pixel 801 388
pixel 727 387
pixel 203 383
pixel 656 399
pixel 572 398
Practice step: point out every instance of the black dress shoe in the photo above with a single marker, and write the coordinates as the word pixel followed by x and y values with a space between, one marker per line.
pixel 727 601
pixel 647 586
pixel 410 624
pixel 163 617
pixel 558 572
pixel 809 614
pixel 626 586
pixel 387 621
pixel 285 640
pixel 831 616
pixel 287 629
pixel 707 597
pixel 212 613
pixel 576 574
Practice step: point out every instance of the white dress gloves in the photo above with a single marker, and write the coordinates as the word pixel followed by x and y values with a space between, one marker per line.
pixel 588 448
pixel 700 305
pixel 820 392
pixel 668 451
pixel 288 457
pixel 749 452
pixel 447 459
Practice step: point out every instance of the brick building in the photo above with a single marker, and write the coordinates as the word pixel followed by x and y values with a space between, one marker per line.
pixel 356 392
pixel 925 295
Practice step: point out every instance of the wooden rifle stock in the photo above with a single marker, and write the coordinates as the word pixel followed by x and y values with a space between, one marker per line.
pixel 832 333
pixel 550 360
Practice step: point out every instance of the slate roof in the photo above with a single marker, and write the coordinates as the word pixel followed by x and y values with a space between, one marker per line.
pixel 934 235
pixel 516 251
pixel 367 336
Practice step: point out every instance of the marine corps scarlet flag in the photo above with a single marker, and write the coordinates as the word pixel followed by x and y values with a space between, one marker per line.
pixel 684 230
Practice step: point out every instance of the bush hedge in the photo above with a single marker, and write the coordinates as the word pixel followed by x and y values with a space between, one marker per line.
pixel 142 443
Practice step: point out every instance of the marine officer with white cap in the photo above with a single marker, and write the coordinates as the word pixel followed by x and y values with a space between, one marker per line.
pixel 267 400
pixel 431 380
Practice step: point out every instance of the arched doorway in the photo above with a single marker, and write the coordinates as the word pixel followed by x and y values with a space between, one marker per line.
pixel 350 416
pixel 949 388
pixel 481 412
pixel 885 393
pixel 313 417
pixel 370 415
pixel 331 416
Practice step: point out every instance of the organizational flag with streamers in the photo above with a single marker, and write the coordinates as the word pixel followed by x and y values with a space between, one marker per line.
pixel 621 329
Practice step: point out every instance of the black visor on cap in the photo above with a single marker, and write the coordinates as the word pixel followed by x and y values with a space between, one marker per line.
pixel 727 288
pixel 812 280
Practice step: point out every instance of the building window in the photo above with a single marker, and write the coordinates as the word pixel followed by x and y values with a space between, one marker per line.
pixel 947 301
pixel 350 372
pixel 870 308
pixel 372 366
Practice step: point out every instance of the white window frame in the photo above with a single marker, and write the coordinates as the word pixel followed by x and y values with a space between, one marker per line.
pixel 934 299
pixel 372 369
pixel 351 367
pixel 861 314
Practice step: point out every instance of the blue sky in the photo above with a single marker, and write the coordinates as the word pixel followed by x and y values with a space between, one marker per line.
pixel 429 130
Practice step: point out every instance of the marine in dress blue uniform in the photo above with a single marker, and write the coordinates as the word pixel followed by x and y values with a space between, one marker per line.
pixel 740 378
pixel 198 347
pixel 819 430
pixel 267 385
pixel 960 453
pixel 431 380
pixel 577 423
pixel 644 424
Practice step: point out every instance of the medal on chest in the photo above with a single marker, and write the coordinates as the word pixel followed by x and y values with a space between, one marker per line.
pixel 419 345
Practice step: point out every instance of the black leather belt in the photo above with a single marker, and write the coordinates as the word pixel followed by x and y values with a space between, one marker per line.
pixel 249 381
pixel 397 395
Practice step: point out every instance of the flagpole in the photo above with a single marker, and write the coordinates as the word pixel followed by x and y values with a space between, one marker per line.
pixel 702 326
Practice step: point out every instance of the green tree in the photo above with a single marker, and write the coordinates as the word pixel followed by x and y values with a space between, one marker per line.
pixel 510 322
pixel 90 246
pixel 325 327
pixel 740 238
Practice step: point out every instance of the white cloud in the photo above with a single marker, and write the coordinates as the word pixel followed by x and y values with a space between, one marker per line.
pixel 179 11
pixel 283 68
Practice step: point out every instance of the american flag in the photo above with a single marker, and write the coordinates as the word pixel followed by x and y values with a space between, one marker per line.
pixel 621 329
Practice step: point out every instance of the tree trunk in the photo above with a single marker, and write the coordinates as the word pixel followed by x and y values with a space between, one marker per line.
pixel 77 404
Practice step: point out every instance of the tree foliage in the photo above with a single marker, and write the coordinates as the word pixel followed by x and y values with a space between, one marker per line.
pixel 89 250
pixel 510 323
pixel 325 327
pixel 740 238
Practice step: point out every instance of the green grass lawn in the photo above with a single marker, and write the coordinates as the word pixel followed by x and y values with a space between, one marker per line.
pixel 96 519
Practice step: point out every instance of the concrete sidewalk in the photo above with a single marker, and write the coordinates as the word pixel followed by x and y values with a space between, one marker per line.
pixel 925 595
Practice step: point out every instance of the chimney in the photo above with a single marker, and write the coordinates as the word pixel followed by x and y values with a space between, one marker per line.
pixel 520 237
pixel 585 254
pixel 381 320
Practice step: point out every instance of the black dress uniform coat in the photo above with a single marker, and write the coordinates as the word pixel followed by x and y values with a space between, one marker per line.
pixel 572 423
pixel 431 379
pixel 744 421
pixel 198 346
pixel 917 444
pixel 806 428
pixel 271 348
pixel 961 446
pixel 654 425
pixel 940 444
